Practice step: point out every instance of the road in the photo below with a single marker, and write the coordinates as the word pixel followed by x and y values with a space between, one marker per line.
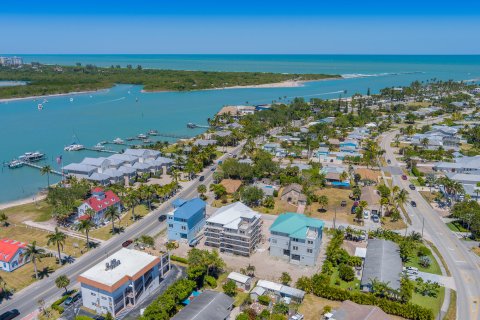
pixel 463 267
pixel 26 300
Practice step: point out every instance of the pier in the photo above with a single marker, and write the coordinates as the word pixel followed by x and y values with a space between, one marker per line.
pixel 100 150
pixel 194 126
pixel 39 167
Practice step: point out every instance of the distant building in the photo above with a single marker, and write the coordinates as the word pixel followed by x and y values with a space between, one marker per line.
pixel 12 254
pixel 293 194
pixel 209 305
pixel 123 279
pixel 11 61
pixel 234 228
pixel 296 238
pixel 440 136
pixel 187 219
pixel 99 202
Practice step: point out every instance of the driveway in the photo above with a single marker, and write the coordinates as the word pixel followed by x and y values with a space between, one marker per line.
pixel 444 281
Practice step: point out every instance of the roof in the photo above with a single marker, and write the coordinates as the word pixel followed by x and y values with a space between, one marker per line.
pixel 258 290
pixel 142 153
pixel 230 216
pixel 292 187
pixel 133 264
pixel 123 157
pixel 349 310
pixel 238 277
pixel 295 225
pixel 202 142
pixel 100 204
pixel 79 167
pixel 96 162
pixel 187 209
pixel 383 263
pixel 269 285
pixel 370 195
pixel 210 305
pixel 280 288
pixel 231 185
pixel 8 249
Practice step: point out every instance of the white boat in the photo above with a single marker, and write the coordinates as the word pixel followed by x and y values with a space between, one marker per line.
pixel 118 141
pixel 32 156
pixel 142 136
pixel 15 164
pixel 153 132
pixel 71 99
pixel 74 147
pixel 99 146
pixel 40 106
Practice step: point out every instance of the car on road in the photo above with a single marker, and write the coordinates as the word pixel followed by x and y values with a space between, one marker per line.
pixel 404 177
pixel 127 243
pixel 162 218
pixel 10 314
pixel 412 187
pixel 389 161
pixel 73 299
pixel 201 178
pixel 230 154
pixel 375 218
pixel 213 168
pixel 413 204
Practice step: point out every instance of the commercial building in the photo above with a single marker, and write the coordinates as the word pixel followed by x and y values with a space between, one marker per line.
pixel 118 282
pixel 209 305
pixel 296 238
pixel 234 228
pixel 12 254
pixel 187 219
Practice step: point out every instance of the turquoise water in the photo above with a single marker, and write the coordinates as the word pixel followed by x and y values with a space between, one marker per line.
pixel 115 113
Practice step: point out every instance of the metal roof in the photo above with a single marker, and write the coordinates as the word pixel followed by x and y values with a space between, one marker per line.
pixel 188 208
pixel 295 225
pixel 238 277
pixel 209 305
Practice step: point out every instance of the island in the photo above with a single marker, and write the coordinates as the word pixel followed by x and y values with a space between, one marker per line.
pixel 44 80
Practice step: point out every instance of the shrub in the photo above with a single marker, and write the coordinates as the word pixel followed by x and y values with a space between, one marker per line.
pixel 327 309
pixel 423 251
pixel 83 318
pixel 280 308
pixel 265 300
pixel 425 261
pixel 178 259
pixel 230 288
pixel 211 281
pixel 346 273
pixel 242 316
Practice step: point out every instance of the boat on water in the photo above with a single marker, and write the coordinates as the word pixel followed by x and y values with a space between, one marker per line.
pixel 131 138
pixel 142 136
pixel 74 147
pixel 40 106
pixel 32 156
pixel 98 146
pixel 103 142
pixel 191 125
pixel 152 132
pixel 118 141
pixel 15 164
pixel 147 141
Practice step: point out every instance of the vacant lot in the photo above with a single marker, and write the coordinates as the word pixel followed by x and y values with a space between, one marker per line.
pixel 335 197
pixel 39 211
pixel 312 306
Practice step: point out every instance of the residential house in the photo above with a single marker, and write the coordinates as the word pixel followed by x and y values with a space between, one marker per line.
pixel 234 228
pixel 371 196
pixel 204 143
pixel 349 310
pixel 440 136
pixel 333 175
pixel 279 291
pixel 122 280
pixel 293 194
pixel 296 238
pixel 187 219
pixel 383 263
pixel 99 202
pixel 12 254
pixel 468 165
pixel 209 305
pixel 268 189
pixel 242 281
pixel 349 146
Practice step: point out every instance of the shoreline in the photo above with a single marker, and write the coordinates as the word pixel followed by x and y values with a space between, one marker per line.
pixel 51 95
pixel 19 202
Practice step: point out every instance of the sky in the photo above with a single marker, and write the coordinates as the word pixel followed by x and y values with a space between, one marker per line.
pixel 261 26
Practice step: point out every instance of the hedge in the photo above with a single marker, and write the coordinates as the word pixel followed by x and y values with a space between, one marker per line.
pixel 211 281
pixel 178 259
pixel 57 304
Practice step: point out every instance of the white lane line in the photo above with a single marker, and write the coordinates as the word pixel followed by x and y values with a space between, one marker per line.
pixel 460 261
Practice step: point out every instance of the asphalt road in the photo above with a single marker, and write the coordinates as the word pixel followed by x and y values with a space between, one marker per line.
pixel 461 264
pixel 26 300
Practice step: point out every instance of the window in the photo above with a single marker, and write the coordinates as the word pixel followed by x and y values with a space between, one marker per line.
pixel 310 250
pixel 170 225
pixel 274 240
pixel 310 241
pixel 184 228
pixel 295 248
pixel 93 294
pixel 103 298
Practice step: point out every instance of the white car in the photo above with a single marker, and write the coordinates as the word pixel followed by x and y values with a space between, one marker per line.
pixel 366 214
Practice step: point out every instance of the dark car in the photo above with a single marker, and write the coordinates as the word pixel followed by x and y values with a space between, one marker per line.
pixel 201 178
pixel 72 299
pixel 412 187
pixel 213 168
pixel 404 177
pixel 413 203
pixel 127 243
pixel 162 218
pixel 10 314
pixel 343 203
pixel 389 161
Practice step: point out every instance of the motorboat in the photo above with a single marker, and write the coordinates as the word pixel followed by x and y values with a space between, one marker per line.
pixel 15 164
pixel 32 156
pixel 98 146
pixel 152 132
pixel 142 136
pixel 118 141
pixel 74 147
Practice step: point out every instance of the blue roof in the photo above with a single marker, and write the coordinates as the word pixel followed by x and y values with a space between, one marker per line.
pixel 178 202
pixel 189 208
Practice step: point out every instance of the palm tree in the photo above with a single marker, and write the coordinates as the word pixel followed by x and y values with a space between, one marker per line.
pixel 85 226
pixel 202 189
pixel 3 219
pixel 477 189
pixel 401 197
pixel 46 170
pixel 62 282
pixel 57 238
pixel 170 245
pixel 34 253
pixel 112 214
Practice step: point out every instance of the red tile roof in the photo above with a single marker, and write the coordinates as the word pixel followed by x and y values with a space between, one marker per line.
pixel 98 205
pixel 84 217
pixel 97 189
pixel 8 249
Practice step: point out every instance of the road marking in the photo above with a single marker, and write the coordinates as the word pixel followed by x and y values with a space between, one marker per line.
pixel 460 261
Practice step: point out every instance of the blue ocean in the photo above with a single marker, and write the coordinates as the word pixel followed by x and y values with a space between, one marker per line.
pixel 124 111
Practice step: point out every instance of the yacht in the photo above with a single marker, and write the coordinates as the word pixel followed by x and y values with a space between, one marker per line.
pixel 118 141
pixel 152 132
pixel 98 146
pixel 32 156
pixel 15 164
pixel 147 141
pixel 142 136
pixel 74 147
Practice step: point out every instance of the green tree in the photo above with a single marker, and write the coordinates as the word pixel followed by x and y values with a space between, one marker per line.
pixel 57 238
pixel 3 219
pixel 34 254
pixel 112 214
pixel 230 288
pixel 285 278
pixel 346 273
pixel 202 189
pixel 323 201
pixel 46 170
pixel 62 282
pixel 252 196
pixel 170 245
pixel 85 226
pixel 219 190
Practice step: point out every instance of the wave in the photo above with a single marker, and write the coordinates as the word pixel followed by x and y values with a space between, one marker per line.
pixel 383 74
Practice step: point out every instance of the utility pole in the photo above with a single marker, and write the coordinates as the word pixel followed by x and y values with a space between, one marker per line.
pixel 335 219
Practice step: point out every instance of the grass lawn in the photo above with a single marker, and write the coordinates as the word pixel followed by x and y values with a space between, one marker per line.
pixel 388 224
pixel 434 303
pixel 280 207
pixel 335 197
pixel 239 298
pixel 38 212
pixel 433 268
pixel 25 275
pixel 28 234
pixel 354 285
pixel 312 306
pixel 476 250
pixel 452 307
pixel 105 232
pixel 456 226
pixel 428 196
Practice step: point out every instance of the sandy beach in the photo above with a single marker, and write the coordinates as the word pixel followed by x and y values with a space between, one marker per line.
pixel 19 202
pixel 52 95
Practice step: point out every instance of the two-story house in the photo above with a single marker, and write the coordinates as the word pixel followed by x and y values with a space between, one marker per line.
pixel 187 219
pixel 296 238
pixel 99 202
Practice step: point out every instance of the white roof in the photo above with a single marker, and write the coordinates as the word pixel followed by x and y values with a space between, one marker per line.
pixel 269 285
pixel 123 157
pixel 79 167
pixel 238 277
pixel 361 252
pixel 230 216
pixel 97 162
pixel 131 262
pixel 258 290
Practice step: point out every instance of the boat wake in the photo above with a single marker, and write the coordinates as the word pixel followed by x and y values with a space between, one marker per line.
pixel 384 74
pixel 119 99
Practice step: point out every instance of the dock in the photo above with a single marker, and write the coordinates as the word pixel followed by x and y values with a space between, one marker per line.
pixel 39 167
pixel 100 150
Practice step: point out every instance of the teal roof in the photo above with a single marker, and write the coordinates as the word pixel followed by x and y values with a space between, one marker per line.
pixel 295 224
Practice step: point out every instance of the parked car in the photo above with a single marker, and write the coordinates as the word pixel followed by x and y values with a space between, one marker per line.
pixel 412 187
pixel 375 219
pixel 193 243
pixel 213 168
pixel 201 178
pixel 343 203
pixel 413 203
pixel 389 161
pixel 127 243
pixel 404 177
pixel 72 299
pixel 10 315
pixel 366 214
